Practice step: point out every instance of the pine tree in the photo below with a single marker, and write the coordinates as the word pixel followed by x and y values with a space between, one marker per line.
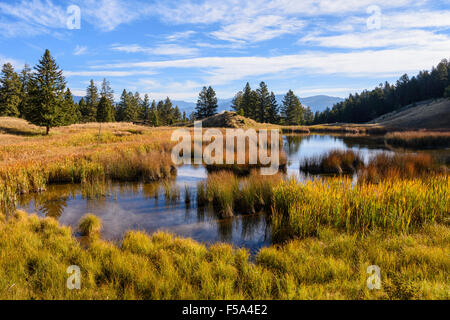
pixel 104 110
pixel 249 102
pixel 206 103
pixel 176 115
pixel 90 112
pixel 236 103
pixel 272 111
pixel 166 112
pixel 263 106
pixel 145 108
pixel 292 111
pixel 70 113
pixel 47 94
pixel 10 92
pixel 107 92
pixel 26 79
pixel 153 117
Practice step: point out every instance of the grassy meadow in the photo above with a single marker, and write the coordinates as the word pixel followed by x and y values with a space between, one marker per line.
pixel 325 232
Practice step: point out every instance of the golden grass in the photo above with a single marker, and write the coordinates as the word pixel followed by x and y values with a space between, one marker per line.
pixel 333 162
pixel 35 254
pixel 419 139
pixel 79 154
pixel 90 225
pixel 396 205
pixel 404 166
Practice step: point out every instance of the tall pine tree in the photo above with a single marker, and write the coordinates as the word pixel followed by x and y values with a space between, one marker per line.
pixel 89 113
pixel 10 92
pixel 206 103
pixel 292 110
pixel 47 95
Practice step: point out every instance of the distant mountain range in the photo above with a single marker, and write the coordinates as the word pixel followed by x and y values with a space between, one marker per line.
pixel 316 103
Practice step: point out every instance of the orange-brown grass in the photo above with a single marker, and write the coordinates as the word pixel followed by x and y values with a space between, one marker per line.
pixel 419 139
pixel 333 162
pixel 406 166
pixel 86 153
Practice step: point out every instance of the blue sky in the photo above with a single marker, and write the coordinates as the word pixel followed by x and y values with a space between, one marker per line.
pixel 174 48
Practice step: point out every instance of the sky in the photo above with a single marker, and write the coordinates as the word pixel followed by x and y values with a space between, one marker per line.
pixel 174 48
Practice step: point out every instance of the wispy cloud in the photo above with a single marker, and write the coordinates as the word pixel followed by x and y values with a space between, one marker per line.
pixel 80 50
pixel 162 50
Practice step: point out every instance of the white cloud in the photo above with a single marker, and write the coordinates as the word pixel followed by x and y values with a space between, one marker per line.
pixel 378 38
pixel 375 63
pixel 258 29
pixel 162 50
pixel 107 73
pixel 80 50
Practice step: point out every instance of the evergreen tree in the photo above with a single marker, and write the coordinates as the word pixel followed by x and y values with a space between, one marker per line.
pixel 90 112
pixel 206 103
pixel 145 108
pixel 153 117
pixel 70 113
pixel 292 111
pixel 26 79
pixel 236 103
pixel 176 115
pixel 47 94
pixel 263 106
pixel 127 110
pixel 10 92
pixel 107 92
pixel 447 92
pixel 249 102
pixel 104 110
pixel 272 111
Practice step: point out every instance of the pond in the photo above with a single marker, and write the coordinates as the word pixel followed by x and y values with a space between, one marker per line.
pixel 137 206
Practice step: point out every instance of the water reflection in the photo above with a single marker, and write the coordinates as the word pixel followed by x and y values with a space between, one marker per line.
pixel 136 206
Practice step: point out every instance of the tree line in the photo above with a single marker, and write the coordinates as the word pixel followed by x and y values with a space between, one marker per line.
pixel 369 105
pixel 41 96
pixel 259 105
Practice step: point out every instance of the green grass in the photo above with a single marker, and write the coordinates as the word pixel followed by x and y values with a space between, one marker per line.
pixel 90 225
pixel 398 206
pixel 35 254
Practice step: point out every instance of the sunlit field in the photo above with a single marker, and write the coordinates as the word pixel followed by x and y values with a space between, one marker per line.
pixel 325 232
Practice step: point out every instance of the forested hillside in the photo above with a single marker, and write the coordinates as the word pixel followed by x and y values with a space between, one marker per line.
pixel 386 98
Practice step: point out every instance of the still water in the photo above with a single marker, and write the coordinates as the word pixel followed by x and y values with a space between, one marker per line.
pixel 137 206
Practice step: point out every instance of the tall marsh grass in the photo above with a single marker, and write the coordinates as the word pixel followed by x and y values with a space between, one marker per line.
pixel 419 139
pixel 399 206
pixel 228 194
pixel 333 162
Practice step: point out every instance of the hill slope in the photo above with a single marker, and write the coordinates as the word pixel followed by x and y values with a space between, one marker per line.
pixel 424 115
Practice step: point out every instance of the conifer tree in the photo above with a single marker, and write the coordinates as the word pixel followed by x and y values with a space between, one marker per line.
pixel 249 102
pixel 47 95
pixel 206 103
pixel 26 79
pixel 292 110
pixel 263 105
pixel 107 92
pixel 145 108
pixel 90 112
pixel 70 113
pixel 272 111
pixel 104 110
pixel 10 92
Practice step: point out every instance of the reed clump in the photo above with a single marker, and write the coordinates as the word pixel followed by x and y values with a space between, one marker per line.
pixel 90 225
pixel 398 205
pixel 228 195
pixel 333 162
pixel 399 166
pixel 418 139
